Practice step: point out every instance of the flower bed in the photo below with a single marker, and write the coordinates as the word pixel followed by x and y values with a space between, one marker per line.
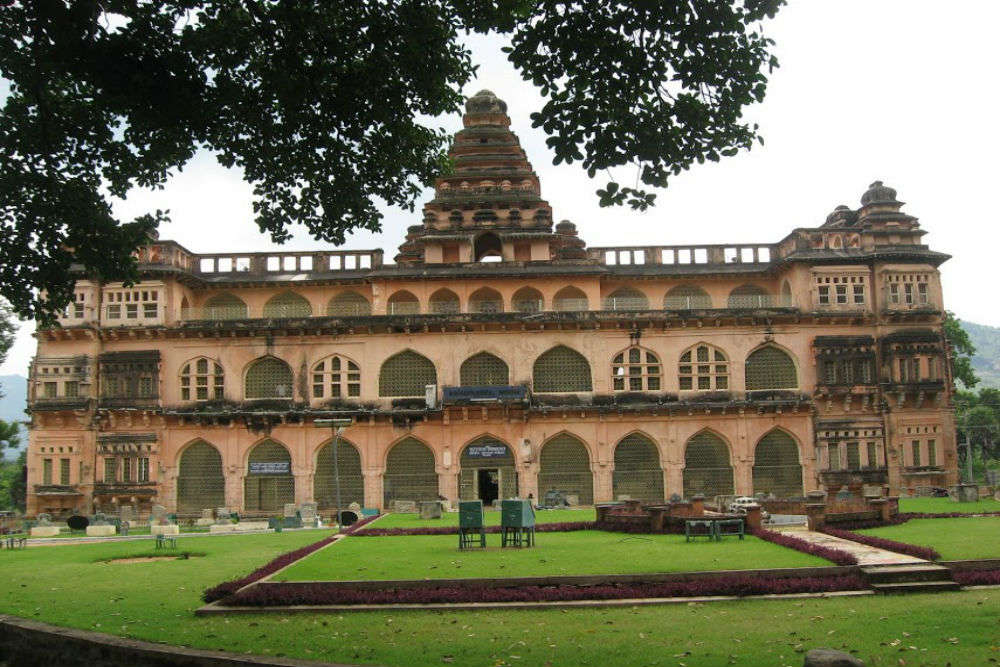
pixel 790 541
pixel 926 553
pixel 278 595
pixel 563 527
pixel 906 516
pixel 977 577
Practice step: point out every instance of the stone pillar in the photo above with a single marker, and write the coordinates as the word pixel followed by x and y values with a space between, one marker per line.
pixel 816 509
pixel 698 506
pixel 603 483
pixel 754 519
pixel 880 505
pixel 673 480
pixel 373 487
pixel 527 481
pixel 743 477
pixel 303 486
pixel 448 484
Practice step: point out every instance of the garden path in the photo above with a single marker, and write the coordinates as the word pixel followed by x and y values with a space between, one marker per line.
pixel 865 554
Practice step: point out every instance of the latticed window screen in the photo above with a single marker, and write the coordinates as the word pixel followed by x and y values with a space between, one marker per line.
pixel 268 491
pixel 687 297
pixel 527 300
pixel 853 456
pixel 637 472
pixel 202 380
pixel 486 301
pixel 570 299
pixel 336 377
pixel 564 465
pixel 403 303
pixel 561 369
pixel 470 465
pixel 626 298
pixel 636 369
pixel 269 378
pixel 348 304
pixel 110 470
pixel 352 482
pixel 445 301
pixel 872 455
pixel 707 470
pixel 776 467
pixel 47 471
pixel 834 461
pixel 64 471
pixel 287 304
pixel 847 371
pixel 770 368
pixel 932 453
pixel 915 448
pixel 129 379
pixel 406 374
pixel 749 296
pixel 409 473
pixel 225 307
pixel 704 368
pixel 484 369
pixel 201 483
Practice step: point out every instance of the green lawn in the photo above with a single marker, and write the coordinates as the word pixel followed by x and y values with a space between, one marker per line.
pixel 943 505
pixel 954 539
pixel 579 552
pixel 155 601
pixel 492 518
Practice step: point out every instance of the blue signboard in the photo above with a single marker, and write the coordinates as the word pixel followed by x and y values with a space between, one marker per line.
pixel 270 468
pixel 493 393
pixel 491 451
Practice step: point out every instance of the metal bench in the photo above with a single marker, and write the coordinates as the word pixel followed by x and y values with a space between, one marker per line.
pixel 15 542
pixel 728 527
pixel 166 542
pixel 695 528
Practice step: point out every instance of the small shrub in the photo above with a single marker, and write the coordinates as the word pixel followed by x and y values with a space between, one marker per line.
pixel 926 553
pixel 563 527
pixel 977 577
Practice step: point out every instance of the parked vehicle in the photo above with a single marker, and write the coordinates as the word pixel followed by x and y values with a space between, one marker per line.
pixel 740 504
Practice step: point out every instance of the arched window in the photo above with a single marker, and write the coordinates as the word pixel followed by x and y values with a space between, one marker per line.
pixel 336 377
pixel 201 483
pixel 561 369
pixel 403 303
pixel 707 470
pixel 570 299
pixel 749 296
pixel 636 369
pixel 687 297
pixel 352 485
pixel 770 368
pixel 703 368
pixel 786 295
pixel 269 484
pixel 776 467
pixel 486 300
pixel 444 301
pixel 202 380
pixel 637 474
pixel 268 377
pixel 225 307
pixel 626 298
pixel 348 304
pixel 488 245
pixel 406 374
pixel 287 304
pixel 484 369
pixel 410 473
pixel 564 465
pixel 527 300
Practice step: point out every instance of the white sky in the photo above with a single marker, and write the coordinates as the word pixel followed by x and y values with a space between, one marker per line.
pixel 905 91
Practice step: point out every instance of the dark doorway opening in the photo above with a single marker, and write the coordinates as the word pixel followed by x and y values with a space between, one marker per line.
pixel 489 485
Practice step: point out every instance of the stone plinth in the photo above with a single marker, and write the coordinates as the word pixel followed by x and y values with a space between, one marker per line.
pixel 45 531
pixel 101 531
pixel 205 521
pixel 430 509
pixel 754 517
pixel 698 506
pixel 242 527
pixel 965 493
pixel 169 529
pixel 880 505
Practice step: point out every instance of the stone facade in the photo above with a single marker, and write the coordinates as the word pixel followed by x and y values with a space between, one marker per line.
pixel 500 356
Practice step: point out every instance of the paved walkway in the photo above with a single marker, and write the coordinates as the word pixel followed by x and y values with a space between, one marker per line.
pixel 58 541
pixel 865 554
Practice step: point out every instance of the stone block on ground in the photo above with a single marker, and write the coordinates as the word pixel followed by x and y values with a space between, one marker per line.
pixel 404 506
pixel 290 509
pixel 572 499
pixel 203 521
pixel 168 529
pixel 94 530
pixel 430 509
pixel 208 514
pixel 45 531
pixel 308 511
pixel 827 657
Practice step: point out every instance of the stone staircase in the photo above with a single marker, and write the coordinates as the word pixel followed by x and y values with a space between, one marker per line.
pixel 909 578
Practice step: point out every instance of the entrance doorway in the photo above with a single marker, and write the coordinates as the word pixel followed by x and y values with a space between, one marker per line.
pixel 489 485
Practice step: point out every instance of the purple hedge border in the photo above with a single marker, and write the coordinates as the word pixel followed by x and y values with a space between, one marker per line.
pixel 903 517
pixel 927 553
pixel 798 544
pixel 977 577
pixel 227 588
pixel 562 527
pixel 276 595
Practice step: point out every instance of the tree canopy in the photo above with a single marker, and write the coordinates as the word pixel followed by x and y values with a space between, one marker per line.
pixel 962 351
pixel 319 104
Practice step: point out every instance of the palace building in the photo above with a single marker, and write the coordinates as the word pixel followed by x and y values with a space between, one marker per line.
pixel 500 356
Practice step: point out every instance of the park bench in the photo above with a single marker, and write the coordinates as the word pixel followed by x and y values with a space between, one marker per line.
pixel 12 542
pixel 695 528
pixel 728 527
pixel 166 542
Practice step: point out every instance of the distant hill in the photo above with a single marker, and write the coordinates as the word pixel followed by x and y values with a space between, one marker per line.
pixel 15 399
pixel 986 361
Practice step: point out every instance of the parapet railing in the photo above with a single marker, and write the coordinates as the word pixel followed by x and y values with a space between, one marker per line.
pixel 685 254
pixel 169 254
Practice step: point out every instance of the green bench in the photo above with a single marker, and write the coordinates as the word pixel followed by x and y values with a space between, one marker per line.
pixel 713 529
pixel 166 542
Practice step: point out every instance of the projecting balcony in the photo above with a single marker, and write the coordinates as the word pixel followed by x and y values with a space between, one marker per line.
pixel 846 477
pixel 56 490
pixel 146 489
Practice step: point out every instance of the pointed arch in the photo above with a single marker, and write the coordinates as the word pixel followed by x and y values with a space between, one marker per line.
pixel 707 467
pixel 225 307
pixel 484 369
pixel 335 377
pixel 636 369
pixel 748 296
pixel 703 367
pixel 786 294
pixel 349 304
pixel 268 377
pixel 269 483
pixel 403 303
pixel 490 453
pixel 770 367
pixel 488 244
pixel 406 374
pixel 410 472
pixel 201 482
pixel 352 483
pixel 445 301
pixel 570 298
pixel 637 473
pixel 626 298
pixel 564 465
pixel 202 379
pixel 687 297
pixel 287 304
pixel 486 300
pixel 527 300
pixel 777 467
pixel 561 369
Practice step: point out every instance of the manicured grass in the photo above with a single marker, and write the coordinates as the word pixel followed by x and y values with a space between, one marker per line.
pixel 945 505
pixel 578 552
pixel 155 601
pixel 492 518
pixel 954 539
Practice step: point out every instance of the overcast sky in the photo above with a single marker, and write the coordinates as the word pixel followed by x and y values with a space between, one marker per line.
pixel 904 91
